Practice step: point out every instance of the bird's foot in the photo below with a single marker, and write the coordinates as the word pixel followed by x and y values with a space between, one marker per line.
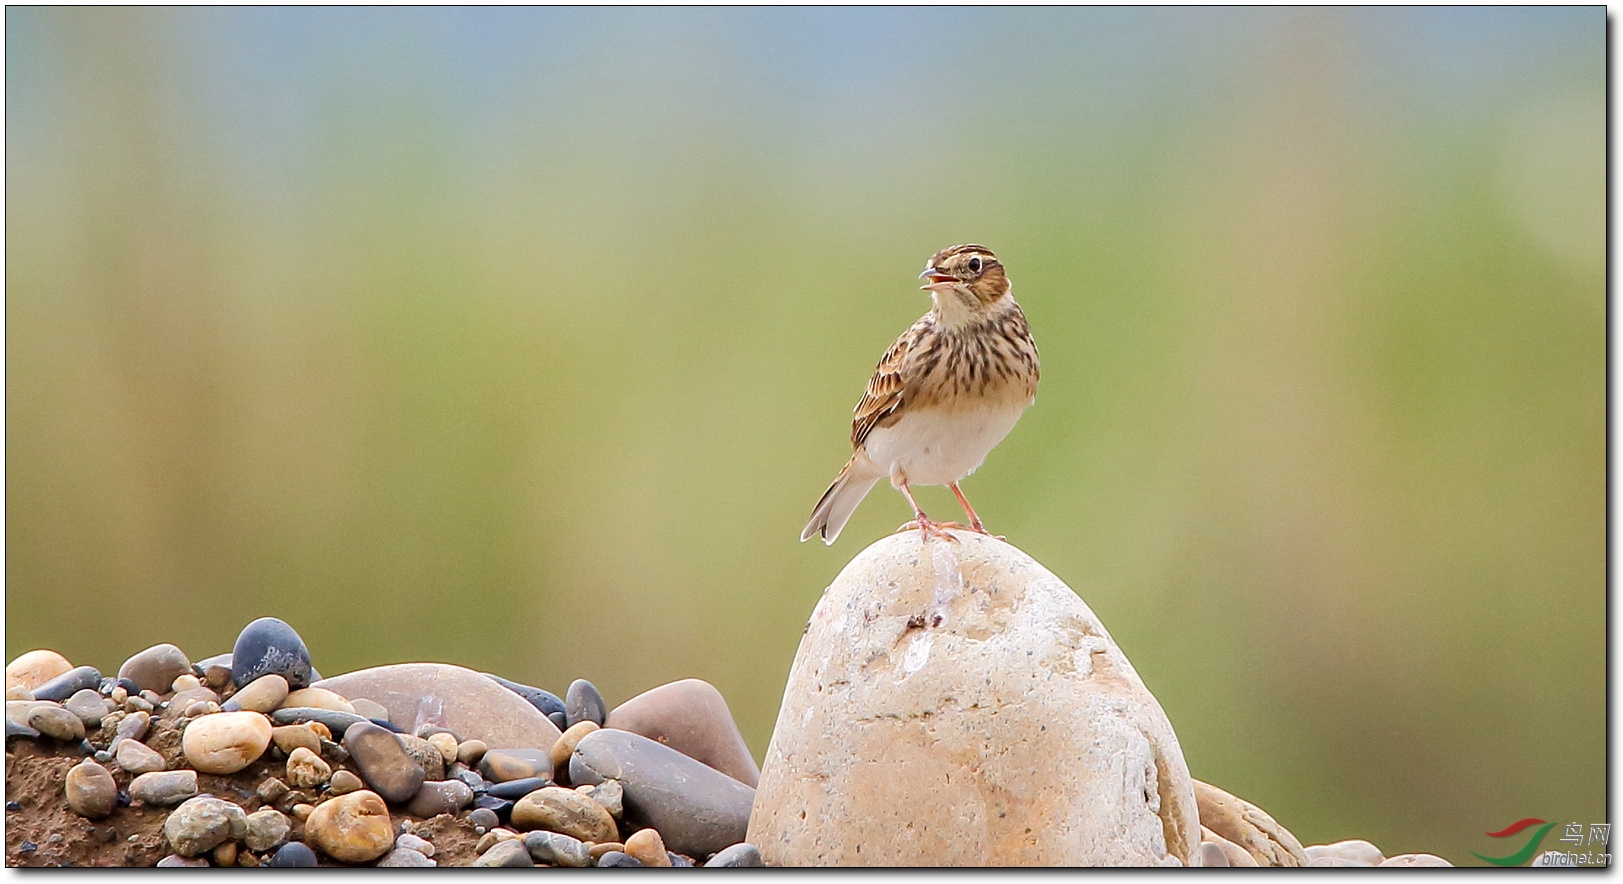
pixel 928 527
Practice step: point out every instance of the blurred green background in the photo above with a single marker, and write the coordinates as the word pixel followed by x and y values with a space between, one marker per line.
pixel 526 340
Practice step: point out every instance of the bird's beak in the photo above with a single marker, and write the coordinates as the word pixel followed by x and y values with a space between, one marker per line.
pixel 935 276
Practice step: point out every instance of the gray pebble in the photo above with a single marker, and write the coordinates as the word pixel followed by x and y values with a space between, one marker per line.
pixel 267 828
pixel 57 723
pixel 426 754
pixel 69 683
pixel 697 809
pixel 165 787
pixel 513 790
pixel 138 758
pixel 506 854
pixel 20 731
pixel 156 668
pixel 502 765
pixel 384 762
pixel 176 861
pixel 584 703
pixel 484 818
pixel 405 858
pixel 133 727
pixel 742 855
pixel 559 720
pixel 203 823
pixel 89 705
pixel 443 796
pixel 557 849
pixel 293 855
pixel 610 794
pixel 617 858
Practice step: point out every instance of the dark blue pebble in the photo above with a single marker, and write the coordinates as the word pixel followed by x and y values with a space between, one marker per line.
pixel 336 721
pixel 584 703
pixel 618 858
pixel 678 861
pixel 387 725
pixel 546 701
pixel 500 806
pixel 27 847
pixel 513 790
pixel 293 855
pixel 267 646
pixel 13 729
pixel 123 798
pixel 559 720
pixel 12 806
pixel 69 683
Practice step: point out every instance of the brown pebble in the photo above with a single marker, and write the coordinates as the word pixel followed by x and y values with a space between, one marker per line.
pixel 292 736
pixel 446 744
pixel 343 782
pixel 272 790
pixel 301 812
pixel 597 850
pixel 646 847
pixel 470 751
pixel 226 854
pixel 566 743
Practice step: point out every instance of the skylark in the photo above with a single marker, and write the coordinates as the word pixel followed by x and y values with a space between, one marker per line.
pixel 944 395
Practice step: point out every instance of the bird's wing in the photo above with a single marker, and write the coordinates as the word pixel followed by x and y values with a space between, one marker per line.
pixel 884 394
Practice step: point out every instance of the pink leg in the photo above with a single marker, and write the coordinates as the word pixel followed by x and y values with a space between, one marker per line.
pixel 927 527
pixel 974 520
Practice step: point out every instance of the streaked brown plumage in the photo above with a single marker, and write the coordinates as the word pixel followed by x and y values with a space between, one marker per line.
pixel 945 394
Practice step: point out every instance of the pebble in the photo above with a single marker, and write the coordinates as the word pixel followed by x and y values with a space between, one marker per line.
pixel 470 751
pixel 596 851
pixel 696 808
pixel 183 683
pixel 353 828
pixel 742 855
pixel 557 849
pixel 584 703
pixel 566 744
pixel 545 701
pixel 137 704
pixel 301 811
pixel 288 737
pixel 35 668
pixel 1357 850
pixel 557 809
pixel 617 859
pixel 435 798
pixel 501 765
pixel 56 722
pixel 1212 856
pixel 678 861
pixel 344 782
pixel 215 670
pixel 293 855
pixel 610 794
pixel 403 858
pixel 225 855
pixel 336 722
pixel 450 697
pixel 425 754
pixel 138 758
pixel 384 762
pixel 409 841
pixel 267 827
pixel 559 720
pixel 268 645
pixel 501 806
pixel 306 770
pixel 90 790
pixel 68 683
pixel 176 861
pixel 16 729
pixel 18 692
pixel 226 742
pixel 193 695
pixel 1412 860
pixel 319 698
pixel 492 838
pixel 513 790
pixel 264 694
pixel 645 846
pixel 163 788
pixel 507 854
pixel 201 824
pixel 446 743
pixel 369 709
pixel 484 818
pixel 133 726
pixel 89 705
pixel 1332 861
pixel 271 790
pixel 156 668
pixel 691 717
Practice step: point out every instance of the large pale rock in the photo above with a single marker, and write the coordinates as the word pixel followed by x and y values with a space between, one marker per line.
pixel 1248 826
pixel 451 697
pixel 955 704
pixel 36 668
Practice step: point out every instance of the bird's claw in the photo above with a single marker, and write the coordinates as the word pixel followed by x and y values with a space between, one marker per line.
pixel 928 528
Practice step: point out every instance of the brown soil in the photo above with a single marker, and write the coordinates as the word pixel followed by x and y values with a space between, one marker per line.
pixel 133 835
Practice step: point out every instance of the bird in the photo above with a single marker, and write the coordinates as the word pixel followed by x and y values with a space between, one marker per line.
pixel 942 397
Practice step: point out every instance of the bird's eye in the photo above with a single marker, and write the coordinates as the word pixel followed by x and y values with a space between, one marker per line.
pixel 975 264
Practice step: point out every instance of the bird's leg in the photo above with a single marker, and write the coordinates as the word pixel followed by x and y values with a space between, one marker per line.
pixel 974 520
pixel 927 526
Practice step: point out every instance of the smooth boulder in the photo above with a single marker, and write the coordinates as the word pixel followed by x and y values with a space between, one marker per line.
pixel 450 697
pixel 691 717
pixel 698 809
pixel 954 703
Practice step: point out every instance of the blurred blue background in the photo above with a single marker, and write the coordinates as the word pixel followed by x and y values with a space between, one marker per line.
pixel 526 339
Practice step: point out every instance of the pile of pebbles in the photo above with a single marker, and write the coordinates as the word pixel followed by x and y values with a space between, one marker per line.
pixel 252 762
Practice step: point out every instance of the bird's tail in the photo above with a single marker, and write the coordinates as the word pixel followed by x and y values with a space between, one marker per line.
pixel 838 503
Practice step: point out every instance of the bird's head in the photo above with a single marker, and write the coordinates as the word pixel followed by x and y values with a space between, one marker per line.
pixel 966 278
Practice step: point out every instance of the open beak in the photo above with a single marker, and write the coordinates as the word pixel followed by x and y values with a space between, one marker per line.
pixel 935 276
